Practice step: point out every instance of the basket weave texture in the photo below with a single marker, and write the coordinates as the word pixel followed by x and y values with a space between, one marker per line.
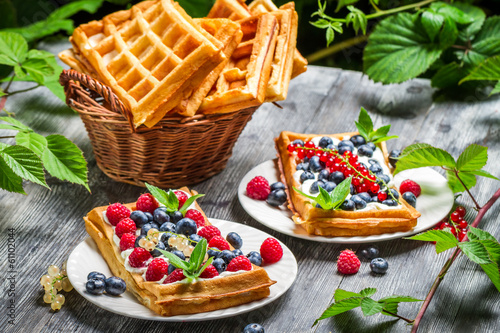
pixel 177 151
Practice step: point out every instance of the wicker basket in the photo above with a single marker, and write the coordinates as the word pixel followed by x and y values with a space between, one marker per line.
pixel 177 151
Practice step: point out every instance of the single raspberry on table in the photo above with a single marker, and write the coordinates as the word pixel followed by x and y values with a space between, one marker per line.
pixel 138 257
pixel 409 185
pixel 116 212
pixel 209 272
pixel 348 262
pixel 219 242
pixel 240 263
pixel 125 226
pixel 127 242
pixel 176 275
pixel 258 188
pixel 271 250
pixel 146 203
pixel 182 197
pixel 209 232
pixel 157 269
pixel 196 216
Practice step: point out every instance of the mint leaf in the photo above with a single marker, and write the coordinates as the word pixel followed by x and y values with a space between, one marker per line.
pixel 489 69
pixel 456 186
pixel 340 192
pixel 325 198
pixel 198 254
pixel 370 307
pixel 380 132
pixel 364 124
pixel 341 294
pixel 188 202
pixel 175 260
pixel 64 160
pixel 444 239
pixel 9 181
pixel 367 292
pixel 172 202
pixel 484 173
pixel 208 263
pixel 158 193
pixel 319 200
pixel 432 23
pixel 24 163
pixel 423 157
pixel 474 157
pixel 13 48
pixel 475 251
pixel 340 307
pixel 32 141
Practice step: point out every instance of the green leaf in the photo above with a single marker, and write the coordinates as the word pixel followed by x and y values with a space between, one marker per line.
pixel 2 93
pixel 486 43
pixel 172 201
pixel 367 292
pixel 385 138
pixel 487 70
pixel 480 234
pixel 24 163
pixel 188 202
pixel 16 123
pixel 364 123
pixel 380 132
pixel 492 270
pixel 456 186
pixel 9 181
pixel 32 141
pixel 399 49
pixel 342 3
pixel 321 23
pixel 208 263
pixel 478 16
pixel 451 12
pixel 198 254
pixel 329 35
pixel 13 48
pixel 449 34
pixel 340 307
pixel 493 248
pixel 432 23
pixel 423 157
pixel 474 157
pixel 37 69
pixel 484 173
pixel 158 193
pixel 340 192
pixel 324 199
pixel 64 160
pixel 399 299
pixel 370 307
pixel 496 89
pixel 413 147
pixel 448 75
pixel 175 260
pixel 476 252
pixel 444 239
pixel 341 294
pixel 315 199
pixel 357 18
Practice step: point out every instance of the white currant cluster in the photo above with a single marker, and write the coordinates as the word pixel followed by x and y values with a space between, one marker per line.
pixel 56 280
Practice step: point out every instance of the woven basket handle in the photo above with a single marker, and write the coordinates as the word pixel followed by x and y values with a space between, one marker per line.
pixel 94 85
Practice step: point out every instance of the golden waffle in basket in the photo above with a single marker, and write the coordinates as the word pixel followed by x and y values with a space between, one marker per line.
pixel 178 298
pixel 232 9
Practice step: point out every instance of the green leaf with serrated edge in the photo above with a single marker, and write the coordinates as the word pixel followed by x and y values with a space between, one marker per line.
pixel 451 12
pixel 399 299
pixel 481 234
pixel 486 43
pixel 25 163
pixel 31 140
pixel 493 272
pixel 424 157
pixel 370 307
pixel 341 294
pixel 64 160
pixel 340 192
pixel 39 54
pixel 468 178
pixel 367 292
pixel 37 69
pixel 188 203
pixel 448 34
pixel 380 132
pixel 14 48
pixel 432 23
pixel 3 146
pixel 399 49
pixel 448 75
pixel 487 70
pixel 478 16
pixel 340 307
pixel 496 89
pixel 172 202
pixel 342 3
pixel 444 239
pixel 9 127
pixel 413 147
pixel 483 173
pixel 15 122
pixel 158 193
pixel 474 157
pixel 9 181
pixel 493 248
pixel 175 260
pixel 476 252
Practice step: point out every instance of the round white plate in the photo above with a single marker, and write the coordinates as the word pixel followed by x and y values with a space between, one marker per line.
pixel 434 203
pixel 86 258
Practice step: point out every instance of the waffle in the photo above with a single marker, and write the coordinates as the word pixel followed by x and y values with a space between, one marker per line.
pixel 231 9
pixel 150 55
pixel 322 222
pixel 178 298
pixel 243 82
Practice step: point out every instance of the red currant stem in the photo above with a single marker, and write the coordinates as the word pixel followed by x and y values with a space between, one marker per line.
pixel 400 317
pixel 482 211
pixel 470 195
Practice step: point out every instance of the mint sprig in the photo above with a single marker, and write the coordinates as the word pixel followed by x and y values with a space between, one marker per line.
pixel 365 128
pixel 169 199
pixel 331 200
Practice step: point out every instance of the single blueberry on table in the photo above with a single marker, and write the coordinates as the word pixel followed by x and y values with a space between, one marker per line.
pixel 379 265
pixel 277 186
pixel 253 328
pixel 370 253
pixel 115 286
pixel 95 286
pixel 235 240
pixel 255 258
pixel 139 218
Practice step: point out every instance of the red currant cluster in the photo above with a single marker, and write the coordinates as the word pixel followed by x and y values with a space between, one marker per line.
pixel 456 223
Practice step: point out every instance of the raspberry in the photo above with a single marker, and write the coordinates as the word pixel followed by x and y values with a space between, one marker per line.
pixel 116 212
pixel 258 188
pixel 219 242
pixel 125 226
pixel 196 216
pixel 209 232
pixel 240 263
pixel 127 242
pixel 410 186
pixel 146 203
pixel 348 263
pixel 156 270
pixel 182 197
pixel 271 250
pixel 209 272
pixel 176 275
pixel 138 257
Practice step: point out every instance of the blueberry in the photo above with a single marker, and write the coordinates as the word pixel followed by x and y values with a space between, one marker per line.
pixel 194 239
pixel 96 275
pixel 318 206
pixel 176 216
pixel 325 141
pixel 167 226
pixel 180 254
pixel 164 236
pixel 186 226
pixel 365 196
pixel 219 264
pixel 276 198
pixel 374 199
pixel 95 286
pixel 331 147
pixel 323 175
pixel 315 186
pixel 171 268
pixel 359 202
pixel 139 218
pixel 376 169
pixel 371 145
pixel 394 193
pixel 384 178
pixel 160 215
pixel 343 149
pixel 298 142
pixel 379 265
pixel 303 166
pixel 213 253
pixel 255 258
pixel 315 164
pixel 352 190
pixel 393 156
pixel 277 186
pixel 347 205
pixel 364 150
pixel 227 256
pixel 346 143
pixel 389 202
pixel 149 216
pixel 115 286
pixel 410 198
pixel 370 253
pixel 357 140
pixel 329 186
pixel 159 246
pixel 305 159
pixel 337 177
pixel 306 175
pixel 145 228
pixel 253 328
pixel 373 161
pixel 137 239
pixel 235 240
pixel 237 252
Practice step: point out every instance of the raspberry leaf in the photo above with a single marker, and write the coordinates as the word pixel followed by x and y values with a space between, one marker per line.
pixel 24 163
pixel 423 156
pixel 17 125
pixel 492 270
pixel 188 202
pixel 339 307
pixel 456 186
pixel 444 239
pixel 13 48
pixel 367 292
pixel 474 157
pixel 33 141
pixel 484 173
pixel 476 252
pixel 341 294
pixel 479 234
pixel 370 307
pixel 9 181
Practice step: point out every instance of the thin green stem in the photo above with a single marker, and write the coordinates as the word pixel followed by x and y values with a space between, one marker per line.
pixel 7 137
pixel 24 90
pixel 409 321
pixel 399 9
pixel 478 207
pixel 323 53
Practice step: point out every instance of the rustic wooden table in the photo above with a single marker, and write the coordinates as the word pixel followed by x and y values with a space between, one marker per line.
pixel 48 224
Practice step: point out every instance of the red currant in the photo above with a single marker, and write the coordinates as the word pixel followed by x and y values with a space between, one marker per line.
pixel 348 171
pixel 463 224
pixel 363 188
pixel 324 157
pixel 364 171
pixel 291 148
pixel 353 159
pixel 461 235
pixel 310 144
pixel 461 211
pixel 381 196
pixel 347 154
pixel 454 217
pixel 445 225
pixel 375 188
pixel 356 181
pixel 310 153
pixel 329 162
pixel 453 231
pixel 372 177
pixel 301 153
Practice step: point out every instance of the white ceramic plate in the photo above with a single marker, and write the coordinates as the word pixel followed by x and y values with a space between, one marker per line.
pixel 86 258
pixel 434 203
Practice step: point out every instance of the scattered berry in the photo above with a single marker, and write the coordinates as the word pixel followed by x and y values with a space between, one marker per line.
pixel 138 257
pixel 157 269
pixel 370 253
pixel 95 286
pixel 209 272
pixel 125 226
pixel 240 263
pixel 271 250
pixel 277 198
pixel 410 198
pixel 409 185
pixel 255 258
pixel 146 203
pixel 196 216
pixel 379 265
pixel 348 262
pixel 253 328
pixel 258 188
pixel 277 186
pixel 115 286
pixel 96 275
pixel 127 241
pixel 218 242
pixel 176 275
pixel 116 212
pixel 182 197
pixel 235 240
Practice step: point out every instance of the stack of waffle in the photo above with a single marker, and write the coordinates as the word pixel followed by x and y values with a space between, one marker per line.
pixel 160 61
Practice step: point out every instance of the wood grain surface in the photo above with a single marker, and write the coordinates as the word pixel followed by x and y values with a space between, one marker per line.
pixel 48 224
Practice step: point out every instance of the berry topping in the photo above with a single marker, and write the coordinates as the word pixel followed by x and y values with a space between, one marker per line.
pixel 125 226
pixel 115 286
pixel 209 272
pixel 182 197
pixel 271 250
pixel 117 212
pixel 255 258
pixel 185 226
pixel 379 265
pixel 139 217
pixel 348 262
pixel 196 216
pixel 209 232
pixel 157 269
pixel 240 263
pixel 138 257
pixel 146 203
pixel 176 275
pixel 410 198
pixel 219 264
pixel 235 240
pixel 160 215
pixel 127 241
pixel 218 242
pixel 227 256
pixel 409 185
pixel 258 188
